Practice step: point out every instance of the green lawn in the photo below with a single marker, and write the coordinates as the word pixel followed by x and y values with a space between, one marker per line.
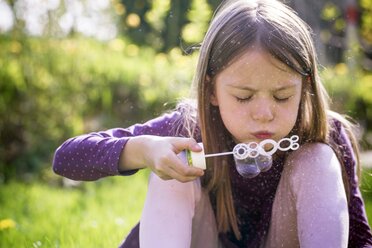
pixel 366 189
pixel 95 214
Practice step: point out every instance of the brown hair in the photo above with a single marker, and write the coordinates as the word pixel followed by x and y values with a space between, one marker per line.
pixel 236 27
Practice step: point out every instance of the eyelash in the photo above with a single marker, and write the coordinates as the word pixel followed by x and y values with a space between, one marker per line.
pixel 247 99
pixel 243 100
pixel 282 99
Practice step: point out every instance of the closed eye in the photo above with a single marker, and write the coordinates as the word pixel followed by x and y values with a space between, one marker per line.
pixel 282 99
pixel 243 99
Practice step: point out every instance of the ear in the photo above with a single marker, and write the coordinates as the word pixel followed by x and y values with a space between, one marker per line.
pixel 213 98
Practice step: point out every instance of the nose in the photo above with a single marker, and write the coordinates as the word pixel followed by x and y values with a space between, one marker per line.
pixel 263 111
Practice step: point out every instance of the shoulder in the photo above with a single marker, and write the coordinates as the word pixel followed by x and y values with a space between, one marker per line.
pixel 342 132
pixel 343 140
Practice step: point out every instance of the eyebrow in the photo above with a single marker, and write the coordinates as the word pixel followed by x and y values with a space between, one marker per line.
pixel 243 87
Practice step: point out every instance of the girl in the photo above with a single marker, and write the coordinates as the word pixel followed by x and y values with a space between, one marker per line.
pixel 256 79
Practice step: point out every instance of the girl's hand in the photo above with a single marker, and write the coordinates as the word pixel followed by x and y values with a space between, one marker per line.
pixel 160 155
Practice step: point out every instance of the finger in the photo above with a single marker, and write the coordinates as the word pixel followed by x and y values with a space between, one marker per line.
pixel 179 177
pixel 181 144
pixel 189 171
pixel 163 176
pixel 182 168
pixel 172 166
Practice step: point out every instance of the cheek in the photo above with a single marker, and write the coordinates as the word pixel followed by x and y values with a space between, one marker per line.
pixel 233 112
pixel 228 114
pixel 289 114
pixel 232 117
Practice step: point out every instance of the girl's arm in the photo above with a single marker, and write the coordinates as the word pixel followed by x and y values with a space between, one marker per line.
pixel 91 156
pixel 320 198
pixel 160 155
pixel 116 152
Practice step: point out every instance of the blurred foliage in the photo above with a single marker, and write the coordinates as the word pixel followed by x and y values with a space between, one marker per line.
pixel 164 24
pixel 351 94
pixel 365 23
pixel 52 89
pixel 366 20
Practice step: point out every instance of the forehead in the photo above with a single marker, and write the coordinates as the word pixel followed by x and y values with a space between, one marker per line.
pixel 257 66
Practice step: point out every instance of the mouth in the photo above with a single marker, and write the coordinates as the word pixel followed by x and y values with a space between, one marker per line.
pixel 263 135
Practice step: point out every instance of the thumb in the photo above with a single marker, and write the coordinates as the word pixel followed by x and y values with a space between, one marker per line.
pixel 181 144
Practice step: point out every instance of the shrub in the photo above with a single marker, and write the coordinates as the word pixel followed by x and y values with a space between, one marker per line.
pixel 351 94
pixel 52 89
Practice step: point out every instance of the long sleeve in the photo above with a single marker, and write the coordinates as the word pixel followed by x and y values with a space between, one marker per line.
pixel 360 232
pixel 95 155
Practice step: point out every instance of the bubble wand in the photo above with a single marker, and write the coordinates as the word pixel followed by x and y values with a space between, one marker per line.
pixel 250 159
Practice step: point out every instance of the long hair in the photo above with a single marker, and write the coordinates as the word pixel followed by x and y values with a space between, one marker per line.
pixel 235 28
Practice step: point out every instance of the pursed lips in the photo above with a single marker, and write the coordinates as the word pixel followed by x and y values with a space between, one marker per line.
pixel 263 135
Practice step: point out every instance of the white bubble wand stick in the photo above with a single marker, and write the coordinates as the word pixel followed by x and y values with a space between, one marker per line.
pixel 250 159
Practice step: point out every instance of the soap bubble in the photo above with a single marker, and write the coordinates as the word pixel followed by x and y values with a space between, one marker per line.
pixel 247 167
pixel 264 162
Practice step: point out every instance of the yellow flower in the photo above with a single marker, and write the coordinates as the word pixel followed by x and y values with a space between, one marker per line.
pixel 7 223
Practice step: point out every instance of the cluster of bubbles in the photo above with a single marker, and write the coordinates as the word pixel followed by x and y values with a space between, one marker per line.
pixel 251 159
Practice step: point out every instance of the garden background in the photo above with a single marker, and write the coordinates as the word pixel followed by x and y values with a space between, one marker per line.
pixel 74 66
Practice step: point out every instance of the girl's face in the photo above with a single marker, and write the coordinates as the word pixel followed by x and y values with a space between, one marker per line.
pixel 258 97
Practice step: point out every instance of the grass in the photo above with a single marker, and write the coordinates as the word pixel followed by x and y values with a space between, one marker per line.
pixel 366 189
pixel 95 214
